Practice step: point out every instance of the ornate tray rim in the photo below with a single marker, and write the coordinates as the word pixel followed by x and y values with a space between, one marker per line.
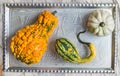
pixel 60 5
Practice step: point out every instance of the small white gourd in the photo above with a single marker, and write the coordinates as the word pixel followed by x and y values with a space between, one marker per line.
pixel 101 23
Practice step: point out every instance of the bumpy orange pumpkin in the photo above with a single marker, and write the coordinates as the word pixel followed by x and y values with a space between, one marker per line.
pixel 30 43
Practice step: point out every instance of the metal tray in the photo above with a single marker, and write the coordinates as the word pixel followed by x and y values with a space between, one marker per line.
pixel 72 19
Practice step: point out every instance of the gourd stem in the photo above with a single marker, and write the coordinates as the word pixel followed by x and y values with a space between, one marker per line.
pixel 80 39
pixel 54 12
pixel 102 24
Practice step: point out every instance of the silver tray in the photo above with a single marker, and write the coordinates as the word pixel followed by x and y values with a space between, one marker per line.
pixel 72 19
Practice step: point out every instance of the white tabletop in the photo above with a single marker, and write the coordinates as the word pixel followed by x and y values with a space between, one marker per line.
pixel 117 73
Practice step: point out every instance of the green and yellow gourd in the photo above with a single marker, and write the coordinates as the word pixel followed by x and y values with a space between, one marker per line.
pixel 69 52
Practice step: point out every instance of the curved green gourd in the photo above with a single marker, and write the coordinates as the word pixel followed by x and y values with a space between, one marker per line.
pixel 69 52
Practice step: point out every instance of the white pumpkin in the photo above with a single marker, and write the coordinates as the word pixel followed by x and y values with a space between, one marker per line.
pixel 101 23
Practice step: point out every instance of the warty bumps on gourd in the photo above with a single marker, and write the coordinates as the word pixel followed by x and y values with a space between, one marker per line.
pixel 30 43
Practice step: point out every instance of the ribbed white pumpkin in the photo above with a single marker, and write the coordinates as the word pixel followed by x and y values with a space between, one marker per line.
pixel 101 23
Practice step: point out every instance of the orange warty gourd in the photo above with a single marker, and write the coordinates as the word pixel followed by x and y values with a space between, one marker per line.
pixel 30 43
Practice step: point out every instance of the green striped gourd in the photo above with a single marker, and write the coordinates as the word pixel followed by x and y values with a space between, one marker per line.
pixel 69 52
